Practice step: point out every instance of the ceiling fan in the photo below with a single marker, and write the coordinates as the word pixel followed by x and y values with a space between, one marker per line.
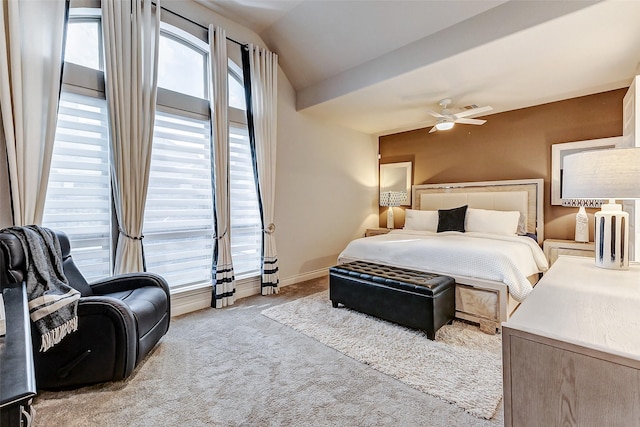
pixel 446 118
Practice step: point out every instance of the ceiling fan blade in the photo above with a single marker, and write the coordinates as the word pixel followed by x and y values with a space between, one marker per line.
pixel 433 129
pixel 470 121
pixel 434 114
pixel 473 111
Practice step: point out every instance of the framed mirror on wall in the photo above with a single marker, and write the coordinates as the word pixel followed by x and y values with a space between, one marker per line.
pixel 558 153
pixel 396 177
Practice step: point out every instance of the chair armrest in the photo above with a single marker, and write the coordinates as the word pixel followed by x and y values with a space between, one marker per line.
pixel 104 348
pixel 127 282
pixel 117 312
pixel 105 305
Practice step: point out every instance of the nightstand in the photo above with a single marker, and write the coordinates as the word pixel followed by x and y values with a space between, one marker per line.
pixel 554 248
pixel 375 231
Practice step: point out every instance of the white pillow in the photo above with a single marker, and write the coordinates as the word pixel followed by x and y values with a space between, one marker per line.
pixel 495 222
pixel 420 220
pixel 522 226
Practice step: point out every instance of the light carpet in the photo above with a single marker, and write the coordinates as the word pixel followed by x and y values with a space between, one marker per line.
pixel 233 367
pixel 462 366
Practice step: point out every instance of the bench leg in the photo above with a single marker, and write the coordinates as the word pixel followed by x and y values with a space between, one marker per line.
pixel 334 304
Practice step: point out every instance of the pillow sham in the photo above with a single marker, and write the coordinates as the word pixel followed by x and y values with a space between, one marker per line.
pixel 522 226
pixel 494 222
pixel 420 220
pixel 452 219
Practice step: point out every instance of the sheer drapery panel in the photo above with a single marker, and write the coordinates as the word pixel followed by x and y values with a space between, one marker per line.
pixel 263 70
pixel 131 31
pixel 224 287
pixel 31 36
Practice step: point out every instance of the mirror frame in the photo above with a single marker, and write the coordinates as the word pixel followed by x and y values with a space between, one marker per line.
pixel 387 168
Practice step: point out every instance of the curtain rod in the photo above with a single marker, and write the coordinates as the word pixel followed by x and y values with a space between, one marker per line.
pixel 195 23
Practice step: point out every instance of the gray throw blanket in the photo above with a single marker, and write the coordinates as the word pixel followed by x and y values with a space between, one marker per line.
pixel 53 304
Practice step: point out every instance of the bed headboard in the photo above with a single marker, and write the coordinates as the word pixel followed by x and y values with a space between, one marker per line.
pixel 523 195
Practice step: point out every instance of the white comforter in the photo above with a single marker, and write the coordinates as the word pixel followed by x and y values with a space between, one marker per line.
pixel 507 259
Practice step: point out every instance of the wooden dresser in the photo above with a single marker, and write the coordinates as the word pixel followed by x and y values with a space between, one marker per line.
pixel 571 351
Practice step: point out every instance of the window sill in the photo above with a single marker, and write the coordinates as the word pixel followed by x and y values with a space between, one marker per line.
pixel 198 296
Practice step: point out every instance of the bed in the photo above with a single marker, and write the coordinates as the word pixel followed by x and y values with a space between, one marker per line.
pixel 494 267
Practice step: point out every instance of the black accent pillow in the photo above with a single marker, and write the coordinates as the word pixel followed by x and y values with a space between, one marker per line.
pixel 452 219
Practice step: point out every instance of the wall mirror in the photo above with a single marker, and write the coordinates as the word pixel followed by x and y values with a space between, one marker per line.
pixel 396 177
pixel 559 151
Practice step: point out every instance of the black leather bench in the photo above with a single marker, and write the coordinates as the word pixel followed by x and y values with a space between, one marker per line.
pixel 411 298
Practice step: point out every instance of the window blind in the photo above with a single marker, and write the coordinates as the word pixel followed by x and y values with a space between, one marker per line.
pixel 178 223
pixel 246 224
pixel 78 193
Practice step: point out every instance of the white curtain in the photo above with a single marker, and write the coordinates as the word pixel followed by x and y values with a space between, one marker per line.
pixel 264 105
pixel 30 71
pixel 131 31
pixel 224 286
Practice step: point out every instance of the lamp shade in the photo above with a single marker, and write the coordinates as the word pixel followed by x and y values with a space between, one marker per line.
pixel 392 198
pixel 602 174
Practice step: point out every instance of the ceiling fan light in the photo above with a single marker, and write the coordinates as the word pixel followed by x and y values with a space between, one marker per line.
pixel 444 125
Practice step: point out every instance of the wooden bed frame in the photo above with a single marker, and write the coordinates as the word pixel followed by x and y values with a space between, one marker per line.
pixel 483 301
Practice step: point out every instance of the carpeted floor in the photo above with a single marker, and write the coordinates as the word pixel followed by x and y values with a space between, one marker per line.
pixel 462 365
pixel 235 367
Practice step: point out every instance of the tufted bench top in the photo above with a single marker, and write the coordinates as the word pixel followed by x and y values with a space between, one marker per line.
pixel 395 277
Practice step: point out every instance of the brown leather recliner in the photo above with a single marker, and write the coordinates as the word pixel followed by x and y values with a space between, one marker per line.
pixel 120 320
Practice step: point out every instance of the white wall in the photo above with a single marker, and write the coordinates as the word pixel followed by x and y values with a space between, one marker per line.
pixel 326 188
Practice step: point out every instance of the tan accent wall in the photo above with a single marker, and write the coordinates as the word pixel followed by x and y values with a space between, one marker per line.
pixel 511 145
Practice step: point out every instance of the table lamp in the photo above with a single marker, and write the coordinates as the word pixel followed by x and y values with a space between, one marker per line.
pixel 612 174
pixel 582 220
pixel 391 199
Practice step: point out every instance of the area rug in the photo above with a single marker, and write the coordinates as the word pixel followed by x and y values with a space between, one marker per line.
pixel 462 366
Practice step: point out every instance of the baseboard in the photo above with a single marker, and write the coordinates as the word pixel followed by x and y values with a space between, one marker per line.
pixel 198 297
pixel 304 277
pixel 247 287
pixel 185 301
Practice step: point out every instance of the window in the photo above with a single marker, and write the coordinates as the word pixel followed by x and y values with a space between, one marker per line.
pixel 178 225
pixel 84 39
pixel 246 224
pixel 236 88
pixel 182 65
pixel 178 219
pixel 179 222
pixel 179 216
pixel 78 192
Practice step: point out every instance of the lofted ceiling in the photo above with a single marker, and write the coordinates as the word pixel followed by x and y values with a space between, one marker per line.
pixel 377 66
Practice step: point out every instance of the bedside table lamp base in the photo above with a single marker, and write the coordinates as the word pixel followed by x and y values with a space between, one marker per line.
pixel 390 217
pixel 582 226
pixel 612 237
